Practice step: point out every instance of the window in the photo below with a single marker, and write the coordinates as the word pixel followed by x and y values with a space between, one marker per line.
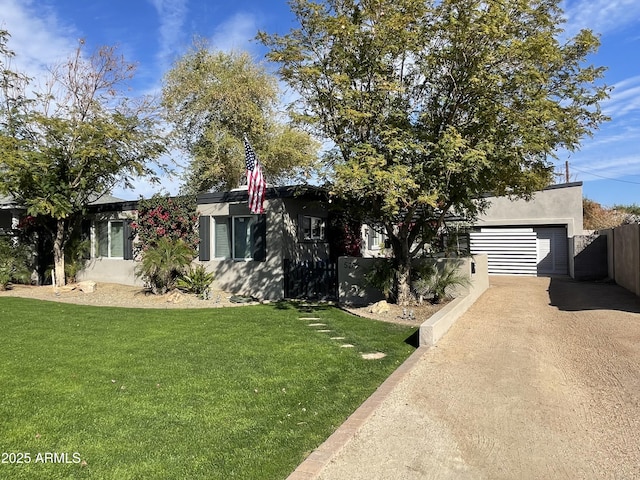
pixel 222 237
pixel 109 239
pixel 312 228
pixel 243 230
pixel 376 238
pixel 6 220
pixel 239 238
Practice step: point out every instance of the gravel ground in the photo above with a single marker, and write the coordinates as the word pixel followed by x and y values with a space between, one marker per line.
pixel 117 295
pixel 540 379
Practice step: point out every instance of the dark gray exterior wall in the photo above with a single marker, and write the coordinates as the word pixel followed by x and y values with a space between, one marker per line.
pixel 265 280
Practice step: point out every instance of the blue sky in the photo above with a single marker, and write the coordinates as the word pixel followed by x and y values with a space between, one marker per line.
pixel 152 33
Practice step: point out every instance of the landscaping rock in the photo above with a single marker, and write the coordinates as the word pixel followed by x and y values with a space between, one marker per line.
pixel 87 286
pixel 175 297
pixel 380 307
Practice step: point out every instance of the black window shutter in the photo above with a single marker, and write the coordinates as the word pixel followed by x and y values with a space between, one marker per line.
pixel 204 247
pixel 260 239
pixel 128 241
pixel 300 227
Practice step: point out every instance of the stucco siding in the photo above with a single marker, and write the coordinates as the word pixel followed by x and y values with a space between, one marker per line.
pixel 626 246
pixel 261 279
pixel 110 270
pixel 294 248
pixel 556 205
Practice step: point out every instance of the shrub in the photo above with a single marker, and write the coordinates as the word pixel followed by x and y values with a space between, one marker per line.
pixel 197 281
pixel 435 283
pixel 14 263
pixel 381 277
pixel 163 263
pixel 74 257
pixel 160 217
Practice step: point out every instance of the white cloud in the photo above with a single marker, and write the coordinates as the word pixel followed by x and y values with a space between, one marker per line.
pixel 601 16
pixel 236 33
pixel 41 39
pixel 38 37
pixel 624 99
pixel 172 15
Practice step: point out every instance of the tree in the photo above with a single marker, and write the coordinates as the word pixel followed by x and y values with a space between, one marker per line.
pixel 432 104
pixel 596 217
pixel 71 141
pixel 212 99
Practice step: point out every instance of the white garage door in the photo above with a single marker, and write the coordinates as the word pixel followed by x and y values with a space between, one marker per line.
pixel 553 257
pixel 509 251
pixel 523 251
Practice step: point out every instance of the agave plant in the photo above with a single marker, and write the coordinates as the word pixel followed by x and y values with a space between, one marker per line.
pixel 163 263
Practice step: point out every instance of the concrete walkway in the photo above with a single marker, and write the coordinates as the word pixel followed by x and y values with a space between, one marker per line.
pixel 540 379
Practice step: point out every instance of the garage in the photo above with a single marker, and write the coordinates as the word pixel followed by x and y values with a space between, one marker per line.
pixel 523 251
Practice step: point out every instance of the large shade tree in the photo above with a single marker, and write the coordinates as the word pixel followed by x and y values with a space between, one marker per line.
pixel 432 104
pixel 68 139
pixel 213 99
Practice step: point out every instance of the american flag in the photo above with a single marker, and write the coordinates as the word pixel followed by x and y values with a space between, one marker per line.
pixel 255 181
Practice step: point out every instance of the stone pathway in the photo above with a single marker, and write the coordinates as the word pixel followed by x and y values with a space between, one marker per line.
pixel 316 323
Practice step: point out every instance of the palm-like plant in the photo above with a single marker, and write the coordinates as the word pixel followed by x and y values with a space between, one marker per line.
pixel 163 263
pixel 436 283
pixel 197 281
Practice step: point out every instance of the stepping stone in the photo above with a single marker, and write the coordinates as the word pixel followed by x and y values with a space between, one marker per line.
pixel 338 338
pixel 324 331
pixel 309 318
pixel 373 356
pixel 317 324
pixel 346 345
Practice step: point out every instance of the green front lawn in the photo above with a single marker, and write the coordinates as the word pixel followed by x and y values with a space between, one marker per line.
pixel 243 392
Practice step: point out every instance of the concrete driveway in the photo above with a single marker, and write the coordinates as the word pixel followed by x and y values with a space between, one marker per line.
pixel 540 379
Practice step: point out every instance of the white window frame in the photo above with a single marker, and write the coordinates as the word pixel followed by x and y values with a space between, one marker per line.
pixel 94 243
pixel 215 222
pixel 372 234
pixel 313 220
pixel 251 218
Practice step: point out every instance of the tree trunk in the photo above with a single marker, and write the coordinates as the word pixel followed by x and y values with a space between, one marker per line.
pixel 58 254
pixel 402 276
pixel 403 284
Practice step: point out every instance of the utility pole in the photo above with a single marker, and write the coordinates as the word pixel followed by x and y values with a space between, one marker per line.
pixel 566 169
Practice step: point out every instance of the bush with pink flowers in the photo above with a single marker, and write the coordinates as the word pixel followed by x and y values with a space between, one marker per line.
pixel 166 233
pixel 165 217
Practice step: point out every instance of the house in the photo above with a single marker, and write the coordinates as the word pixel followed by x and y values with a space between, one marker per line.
pixel 10 215
pixel 258 254
pixel 520 237
pixel 107 226
pixel 285 252
pixel 249 254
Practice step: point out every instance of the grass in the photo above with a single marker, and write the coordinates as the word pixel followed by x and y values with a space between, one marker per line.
pixel 243 392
